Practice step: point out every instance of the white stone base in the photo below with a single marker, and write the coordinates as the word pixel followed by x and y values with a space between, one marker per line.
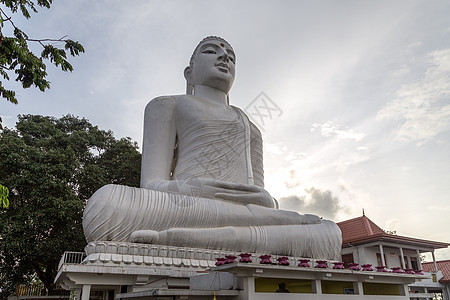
pixel 134 254
pixel 145 271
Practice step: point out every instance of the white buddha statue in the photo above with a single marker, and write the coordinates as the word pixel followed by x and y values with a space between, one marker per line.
pixel 202 182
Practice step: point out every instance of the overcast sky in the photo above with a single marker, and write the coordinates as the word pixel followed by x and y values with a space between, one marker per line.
pixel 354 110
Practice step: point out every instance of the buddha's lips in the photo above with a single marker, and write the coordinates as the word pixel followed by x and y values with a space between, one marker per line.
pixel 222 66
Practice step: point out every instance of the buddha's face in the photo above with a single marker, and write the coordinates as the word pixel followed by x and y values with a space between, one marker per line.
pixel 213 66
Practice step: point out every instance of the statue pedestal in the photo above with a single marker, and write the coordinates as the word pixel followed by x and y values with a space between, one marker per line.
pixel 130 270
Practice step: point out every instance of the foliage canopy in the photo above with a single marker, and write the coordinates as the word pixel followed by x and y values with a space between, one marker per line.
pixel 51 166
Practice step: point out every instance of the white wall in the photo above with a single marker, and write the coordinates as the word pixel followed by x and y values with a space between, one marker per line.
pixel 270 296
pixel 363 255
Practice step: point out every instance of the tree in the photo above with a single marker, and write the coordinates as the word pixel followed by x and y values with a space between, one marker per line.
pixel 15 55
pixel 51 167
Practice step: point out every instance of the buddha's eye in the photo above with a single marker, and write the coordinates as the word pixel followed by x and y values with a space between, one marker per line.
pixel 209 51
pixel 231 58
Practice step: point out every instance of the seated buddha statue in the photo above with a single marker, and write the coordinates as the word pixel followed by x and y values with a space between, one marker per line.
pixel 202 179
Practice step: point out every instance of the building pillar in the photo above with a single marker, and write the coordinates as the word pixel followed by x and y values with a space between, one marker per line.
pixel 402 260
pixel 359 288
pixel 419 261
pixel 409 262
pixel 116 291
pixel 86 292
pixel 405 291
pixel 425 290
pixel 383 262
pixel 318 287
pixel 434 261
pixel 77 294
pixel 248 291
pixel 446 292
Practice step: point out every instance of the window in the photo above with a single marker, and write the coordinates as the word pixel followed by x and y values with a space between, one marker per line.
pixel 370 288
pixel 347 259
pixel 282 285
pixel 379 261
pixel 414 264
pixel 406 261
pixel 337 287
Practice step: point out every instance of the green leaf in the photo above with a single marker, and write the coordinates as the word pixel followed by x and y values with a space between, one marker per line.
pixel 8 94
pixel 4 193
pixel 75 48
pixel 57 57
pixel 19 34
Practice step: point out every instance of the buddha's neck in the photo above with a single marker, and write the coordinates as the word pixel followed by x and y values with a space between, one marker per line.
pixel 210 93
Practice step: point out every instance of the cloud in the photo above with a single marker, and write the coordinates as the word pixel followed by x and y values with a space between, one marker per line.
pixel 363 149
pixel 421 108
pixel 415 44
pixel 401 71
pixel 391 224
pixel 282 152
pixel 320 202
pixel 292 181
pixel 439 208
pixel 328 129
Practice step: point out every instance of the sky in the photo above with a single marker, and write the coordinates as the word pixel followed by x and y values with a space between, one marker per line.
pixel 352 97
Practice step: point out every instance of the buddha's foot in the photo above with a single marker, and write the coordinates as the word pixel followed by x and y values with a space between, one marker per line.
pixel 218 238
pixel 310 240
pixel 145 236
pixel 261 216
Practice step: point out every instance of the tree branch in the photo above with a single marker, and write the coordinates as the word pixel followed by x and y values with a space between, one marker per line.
pixel 48 40
pixel 8 19
pixel 40 41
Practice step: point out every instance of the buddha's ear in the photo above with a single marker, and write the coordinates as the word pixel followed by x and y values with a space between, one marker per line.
pixel 189 85
pixel 187 73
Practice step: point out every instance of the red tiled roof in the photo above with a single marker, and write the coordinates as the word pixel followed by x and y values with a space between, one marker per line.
pixel 358 228
pixel 443 265
pixel 362 230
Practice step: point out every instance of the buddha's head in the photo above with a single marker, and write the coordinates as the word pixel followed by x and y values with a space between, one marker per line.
pixel 212 64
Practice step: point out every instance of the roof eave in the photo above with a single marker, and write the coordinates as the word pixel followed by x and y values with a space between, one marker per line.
pixel 395 239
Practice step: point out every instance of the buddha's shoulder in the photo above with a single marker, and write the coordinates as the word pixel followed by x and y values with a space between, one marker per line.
pixel 172 99
pixel 165 102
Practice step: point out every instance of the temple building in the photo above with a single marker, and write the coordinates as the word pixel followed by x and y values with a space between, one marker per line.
pixel 439 283
pixel 364 242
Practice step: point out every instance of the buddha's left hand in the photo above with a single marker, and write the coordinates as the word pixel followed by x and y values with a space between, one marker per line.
pixel 240 193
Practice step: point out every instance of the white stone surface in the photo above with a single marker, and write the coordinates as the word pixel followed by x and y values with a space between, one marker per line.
pixel 202 182
pixel 106 253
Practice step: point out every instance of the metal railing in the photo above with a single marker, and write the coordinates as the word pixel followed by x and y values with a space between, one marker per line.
pixel 70 257
pixel 39 291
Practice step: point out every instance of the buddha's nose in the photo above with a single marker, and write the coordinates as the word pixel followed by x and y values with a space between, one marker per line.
pixel 224 56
